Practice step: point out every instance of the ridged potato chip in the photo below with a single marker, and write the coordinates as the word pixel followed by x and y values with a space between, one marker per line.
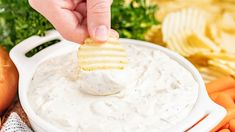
pixel 202 42
pixel 228 63
pixel 213 32
pixel 216 55
pixel 175 43
pixel 177 27
pixel 227 67
pixel 102 56
pixel 227 5
pixel 198 60
pixel 227 21
pixel 169 6
pixel 155 35
pixel 227 42
pixel 211 73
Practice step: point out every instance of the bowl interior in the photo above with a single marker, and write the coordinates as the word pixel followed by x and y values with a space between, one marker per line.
pixel 70 47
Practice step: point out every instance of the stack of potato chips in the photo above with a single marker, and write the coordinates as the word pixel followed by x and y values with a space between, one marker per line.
pixel 203 31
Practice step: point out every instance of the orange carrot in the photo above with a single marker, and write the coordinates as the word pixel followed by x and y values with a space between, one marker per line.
pixel 222 91
pixel 232 125
pixel 226 126
pixel 230 92
pixel 224 130
pixel 230 115
pixel 214 95
pixel 220 84
pixel 225 100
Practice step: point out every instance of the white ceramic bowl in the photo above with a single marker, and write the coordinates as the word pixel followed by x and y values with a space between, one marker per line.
pixel 26 66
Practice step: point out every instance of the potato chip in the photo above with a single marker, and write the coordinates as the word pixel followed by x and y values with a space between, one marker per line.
pixel 175 43
pixel 184 47
pixel 227 5
pixel 198 61
pixel 207 77
pixel 166 7
pixel 155 35
pixel 227 42
pixel 210 70
pixel 222 66
pixel 183 23
pixel 179 26
pixel 218 55
pixel 169 6
pixel 213 32
pixel 202 42
pixel 197 1
pixel 227 22
pixel 102 56
pixel 230 64
pixel 211 73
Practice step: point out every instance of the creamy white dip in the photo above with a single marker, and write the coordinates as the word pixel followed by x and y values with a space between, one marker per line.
pixel 158 93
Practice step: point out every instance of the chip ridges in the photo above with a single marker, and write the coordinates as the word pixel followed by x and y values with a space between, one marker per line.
pixel 184 31
pixel 102 56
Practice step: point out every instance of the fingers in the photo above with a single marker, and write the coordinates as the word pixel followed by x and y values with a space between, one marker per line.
pixel 67 22
pixel 77 20
pixel 82 8
pixel 99 19
pixel 70 25
pixel 114 34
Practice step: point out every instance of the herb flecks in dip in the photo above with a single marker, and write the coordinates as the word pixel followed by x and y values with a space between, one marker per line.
pixel 158 93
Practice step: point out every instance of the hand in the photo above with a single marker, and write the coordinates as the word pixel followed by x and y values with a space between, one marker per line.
pixel 78 19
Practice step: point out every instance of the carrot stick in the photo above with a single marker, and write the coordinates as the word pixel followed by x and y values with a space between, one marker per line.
pixel 220 84
pixel 224 130
pixel 214 95
pixel 226 126
pixel 230 115
pixel 225 100
pixel 230 92
pixel 232 125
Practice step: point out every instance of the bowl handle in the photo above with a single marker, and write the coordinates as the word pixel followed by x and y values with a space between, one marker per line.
pixel 215 114
pixel 17 54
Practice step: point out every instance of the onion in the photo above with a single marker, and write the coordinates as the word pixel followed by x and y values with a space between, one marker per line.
pixel 8 80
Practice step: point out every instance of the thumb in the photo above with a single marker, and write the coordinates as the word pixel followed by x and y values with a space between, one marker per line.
pixel 99 19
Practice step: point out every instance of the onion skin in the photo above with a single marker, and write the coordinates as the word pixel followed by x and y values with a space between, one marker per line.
pixel 8 80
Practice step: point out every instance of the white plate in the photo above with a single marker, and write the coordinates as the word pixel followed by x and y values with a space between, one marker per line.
pixel 27 66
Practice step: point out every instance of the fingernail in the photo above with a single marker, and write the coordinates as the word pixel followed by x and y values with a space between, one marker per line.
pixel 101 33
